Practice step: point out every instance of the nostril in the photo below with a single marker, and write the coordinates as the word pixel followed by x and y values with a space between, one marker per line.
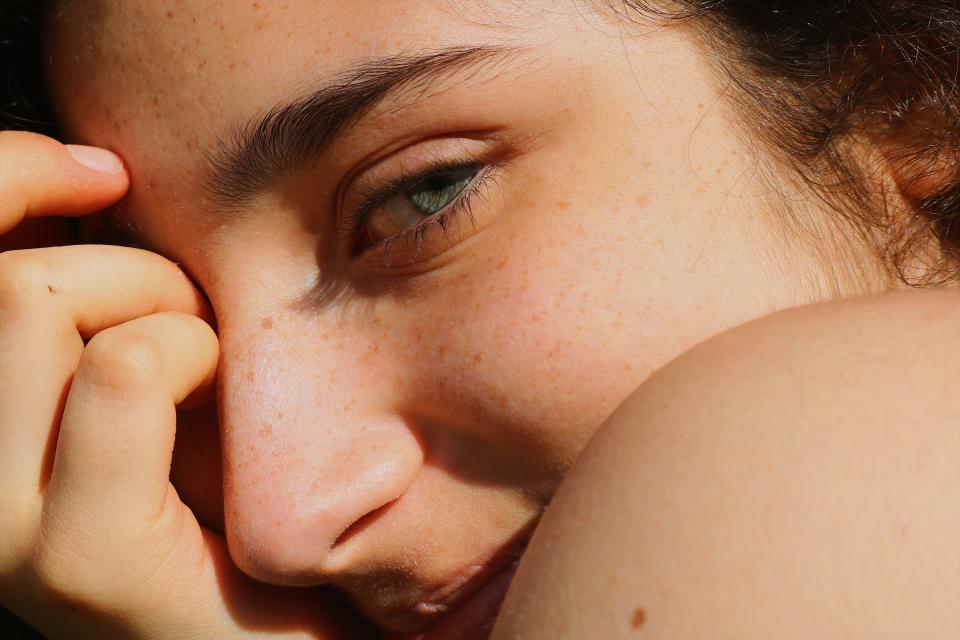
pixel 362 523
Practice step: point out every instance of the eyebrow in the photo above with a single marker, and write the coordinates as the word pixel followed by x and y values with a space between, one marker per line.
pixel 292 134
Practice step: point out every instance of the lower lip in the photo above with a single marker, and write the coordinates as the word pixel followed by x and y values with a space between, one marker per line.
pixel 474 619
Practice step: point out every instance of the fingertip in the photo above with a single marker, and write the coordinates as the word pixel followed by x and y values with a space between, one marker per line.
pixel 40 176
pixel 96 158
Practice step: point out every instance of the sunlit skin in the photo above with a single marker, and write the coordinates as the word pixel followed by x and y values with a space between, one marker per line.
pixel 623 226
pixel 397 436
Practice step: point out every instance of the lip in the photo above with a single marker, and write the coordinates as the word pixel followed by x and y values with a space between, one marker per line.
pixel 474 618
pixel 477 602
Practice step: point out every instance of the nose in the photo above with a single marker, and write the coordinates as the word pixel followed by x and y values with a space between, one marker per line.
pixel 313 455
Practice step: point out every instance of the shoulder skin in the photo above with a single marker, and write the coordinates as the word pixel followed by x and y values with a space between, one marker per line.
pixel 796 477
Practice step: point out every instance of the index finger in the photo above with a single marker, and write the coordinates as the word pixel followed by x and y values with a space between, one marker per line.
pixel 40 176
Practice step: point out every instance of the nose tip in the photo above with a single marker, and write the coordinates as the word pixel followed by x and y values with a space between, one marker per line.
pixel 306 526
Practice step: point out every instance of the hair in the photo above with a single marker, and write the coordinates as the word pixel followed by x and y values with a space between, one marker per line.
pixel 24 104
pixel 821 81
pixel 813 80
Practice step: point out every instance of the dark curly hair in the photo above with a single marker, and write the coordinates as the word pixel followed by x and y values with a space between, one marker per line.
pixel 813 79
pixel 24 103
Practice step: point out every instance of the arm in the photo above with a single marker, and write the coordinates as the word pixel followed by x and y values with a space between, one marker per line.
pixel 797 477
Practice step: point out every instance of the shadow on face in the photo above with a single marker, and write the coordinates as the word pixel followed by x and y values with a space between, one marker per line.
pixel 443 242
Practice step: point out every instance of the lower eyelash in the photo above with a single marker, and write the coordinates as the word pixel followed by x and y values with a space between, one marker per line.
pixel 418 236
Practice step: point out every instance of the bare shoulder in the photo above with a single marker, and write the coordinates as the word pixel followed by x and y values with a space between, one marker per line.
pixel 795 477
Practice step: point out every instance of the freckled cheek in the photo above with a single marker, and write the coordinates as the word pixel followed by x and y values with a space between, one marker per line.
pixel 530 343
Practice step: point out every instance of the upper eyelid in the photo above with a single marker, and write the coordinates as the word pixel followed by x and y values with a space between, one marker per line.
pixel 455 150
pixel 351 220
pixel 418 179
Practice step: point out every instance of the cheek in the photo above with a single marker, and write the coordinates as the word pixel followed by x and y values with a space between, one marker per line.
pixel 538 344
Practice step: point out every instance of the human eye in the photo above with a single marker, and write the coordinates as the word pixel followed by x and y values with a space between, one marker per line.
pixel 418 211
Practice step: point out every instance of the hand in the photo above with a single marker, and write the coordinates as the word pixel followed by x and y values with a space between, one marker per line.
pixel 98 347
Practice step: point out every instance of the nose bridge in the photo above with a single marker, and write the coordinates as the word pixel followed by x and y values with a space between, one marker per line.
pixel 310 450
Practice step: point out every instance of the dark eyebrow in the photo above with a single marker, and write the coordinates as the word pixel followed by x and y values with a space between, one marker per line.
pixel 292 134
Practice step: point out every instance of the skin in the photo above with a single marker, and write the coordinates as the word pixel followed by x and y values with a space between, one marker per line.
pixel 625 223
pixel 740 491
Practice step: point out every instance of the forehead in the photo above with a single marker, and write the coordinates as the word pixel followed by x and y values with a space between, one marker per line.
pixel 163 82
pixel 125 64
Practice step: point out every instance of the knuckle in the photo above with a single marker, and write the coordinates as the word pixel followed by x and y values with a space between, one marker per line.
pixel 23 276
pixel 190 325
pixel 122 359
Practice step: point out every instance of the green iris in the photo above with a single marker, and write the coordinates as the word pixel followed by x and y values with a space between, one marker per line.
pixel 437 192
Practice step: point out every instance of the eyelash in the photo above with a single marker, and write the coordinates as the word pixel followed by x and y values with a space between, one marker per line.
pixel 417 235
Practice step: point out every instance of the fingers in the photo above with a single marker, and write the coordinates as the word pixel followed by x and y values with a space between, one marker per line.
pixel 40 176
pixel 93 287
pixel 116 437
pixel 49 300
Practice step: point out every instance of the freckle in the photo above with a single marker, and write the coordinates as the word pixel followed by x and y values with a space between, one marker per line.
pixel 642 201
pixel 266 430
pixel 563 206
pixel 267 323
pixel 169 14
pixel 155 101
pixel 258 26
pixel 903 532
pixel 249 376
pixel 639 617
pixel 256 6
pixel 478 357
pixel 279 415
pixel 233 65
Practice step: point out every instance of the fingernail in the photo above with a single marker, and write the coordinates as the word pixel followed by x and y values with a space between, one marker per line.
pixel 96 158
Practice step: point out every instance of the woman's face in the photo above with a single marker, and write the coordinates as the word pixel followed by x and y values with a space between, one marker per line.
pixel 426 306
